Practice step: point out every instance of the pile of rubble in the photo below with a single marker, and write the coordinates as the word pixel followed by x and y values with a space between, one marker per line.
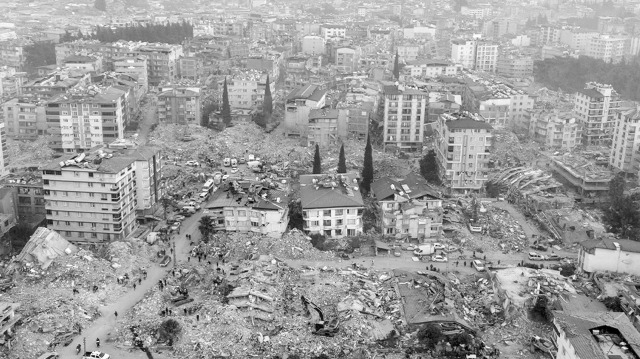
pixel 29 153
pixel 509 151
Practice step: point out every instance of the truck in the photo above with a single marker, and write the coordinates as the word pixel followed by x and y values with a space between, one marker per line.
pixel 95 355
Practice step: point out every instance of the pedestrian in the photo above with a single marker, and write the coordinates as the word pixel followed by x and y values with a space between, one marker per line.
pixel 134 286
pixel 173 272
pixel 498 261
pixel 139 280
pixel 485 257
pixel 98 342
pixel 205 256
pixel 197 317
pixel 465 263
pixel 189 259
pixel 199 259
pixel 457 263
pixel 171 250
pixel 185 311
pixel 116 314
pixel 217 264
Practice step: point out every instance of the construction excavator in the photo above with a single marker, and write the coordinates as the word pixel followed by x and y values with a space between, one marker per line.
pixel 321 327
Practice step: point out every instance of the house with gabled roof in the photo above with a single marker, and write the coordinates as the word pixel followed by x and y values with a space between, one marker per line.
pixel 331 204
pixel 409 207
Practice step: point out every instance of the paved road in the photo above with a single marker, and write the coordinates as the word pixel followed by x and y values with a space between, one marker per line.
pixel 103 326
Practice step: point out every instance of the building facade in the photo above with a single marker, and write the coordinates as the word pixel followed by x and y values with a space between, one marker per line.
pixel 24 118
pixel 331 205
pixel 179 105
pixel 463 52
pixel 557 130
pixel 608 255
pixel 405 111
pixel 486 57
pixel 463 148
pixel 91 197
pixel 596 106
pixel 625 142
pixel 298 105
pixel 4 152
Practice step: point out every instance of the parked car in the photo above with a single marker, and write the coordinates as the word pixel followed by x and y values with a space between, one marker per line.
pixel 439 258
pixel 396 253
pixel 193 163
pixel 176 226
pixel 227 162
pixel 180 218
pixel 234 170
pixel 251 158
pixel 438 246
pixel 242 160
pixel 452 249
pixel 423 251
pixel 535 256
pixel 234 162
pixel 539 247
pixel 49 355
pixel 410 247
pixel 478 265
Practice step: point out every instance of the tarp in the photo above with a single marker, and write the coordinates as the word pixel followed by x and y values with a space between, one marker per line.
pixel 44 246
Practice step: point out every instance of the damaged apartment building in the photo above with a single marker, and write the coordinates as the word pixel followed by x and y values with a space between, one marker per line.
pixel 409 207
pixel 250 206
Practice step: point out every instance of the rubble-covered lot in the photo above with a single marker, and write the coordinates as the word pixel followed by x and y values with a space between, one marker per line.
pixel 52 312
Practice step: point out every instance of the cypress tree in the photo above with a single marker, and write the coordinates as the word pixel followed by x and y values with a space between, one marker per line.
pixel 317 164
pixel 396 67
pixel 267 104
pixel 367 169
pixel 342 163
pixel 226 108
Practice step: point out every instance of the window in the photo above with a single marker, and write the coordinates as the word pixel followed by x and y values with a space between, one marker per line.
pixel 326 223
pixel 326 213
pixel 389 205
pixel 67 233
pixel 94 235
pixel 255 224
pixel 327 233
pixel 338 222
pixel 242 213
pixel 315 223
pixel 339 212
pixel 338 232
pixel 351 232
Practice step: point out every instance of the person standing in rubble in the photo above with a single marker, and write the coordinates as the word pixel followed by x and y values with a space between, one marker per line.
pixel 98 342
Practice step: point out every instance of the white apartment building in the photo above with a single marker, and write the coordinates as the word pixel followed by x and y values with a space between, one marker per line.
pixel 577 39
pixel 463 143
pixel 607 48
pixel 430 68
pixel 463 52
pixel 486 57
pixel 408 52
pixel 405 111
pixel 625 143
pixel 480 12
pixel 246 89
pixel 333 32
pixel 554 129
pixel 313 45
pixel 348 59
pixel 331 204
pixel 91 197
pixel 596 106
pixel 86 117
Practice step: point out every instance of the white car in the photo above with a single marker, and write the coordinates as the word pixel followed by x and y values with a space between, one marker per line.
pixel 176 226
pixel 195 204
pixel 251 158
pixel 478 265
pixel 439 258
pixel 193 163
pixel 227 162
pixel 438 246
pixel 234 170
pixel 422 252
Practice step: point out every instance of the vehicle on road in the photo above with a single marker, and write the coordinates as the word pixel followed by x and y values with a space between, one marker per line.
pixel 410 247
pixel 188 210
pixel 424 250
pixel 95 355
pixel 478 265
pixel 195 205
pixel 179 218
pixel 539 247
pixel 438 246
pixel 175 227
pixel 553 257
pixel 535 256
pixel 439 258
pixel 396 253
pixel 204 195
pixel 452 249
pixel 165 261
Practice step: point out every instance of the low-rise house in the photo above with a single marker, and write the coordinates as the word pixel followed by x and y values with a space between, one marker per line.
pixel 250 206
pixel 618 256
pixel 595 335
pixel 331 204
pixel 409 207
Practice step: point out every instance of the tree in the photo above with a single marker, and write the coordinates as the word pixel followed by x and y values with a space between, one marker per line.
pixel 396 67
pixel 296 220
pixel 429 168
pixel 226 108
pixel 170 330
pixel 342 163
pixel 100 5
pixel 267 104
pixel 317 163
pixel 623 215
pixel 206 112
pixel 367 169
pixel 616 188
pixel 613 304
pixel 430 335
pixel 206 227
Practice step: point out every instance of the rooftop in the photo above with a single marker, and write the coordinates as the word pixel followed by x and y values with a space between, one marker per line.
pixel 412 186
pixel 626 245
pixel 330 191
pixel 264 195
pixel 308 92
pixel 100 159
pixel 465 121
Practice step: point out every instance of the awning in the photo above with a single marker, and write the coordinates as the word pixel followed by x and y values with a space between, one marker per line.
pixel 382 245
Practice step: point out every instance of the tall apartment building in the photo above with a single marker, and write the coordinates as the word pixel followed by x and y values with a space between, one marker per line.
pixel 347 59
pixel 625 144
pixel 431 68
pixel 486 57
pixel 24 118
pixel 4 152
pixel 333 32
pixel 29 198
pixel 408 52
pixel 331 204
pixel 607 48
pixel 578 39
pixel 327 127
pixel 513 66
pixel 86 117
pixel 12 54
pixel 463 148
pixel 405 111
pixel 91 197
pixel 596 106
pixel 246 89
pixel 463 52
pixel 554 129
pixel 298 104
pixel 162 60
pixel 136 67
pixel 177 104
